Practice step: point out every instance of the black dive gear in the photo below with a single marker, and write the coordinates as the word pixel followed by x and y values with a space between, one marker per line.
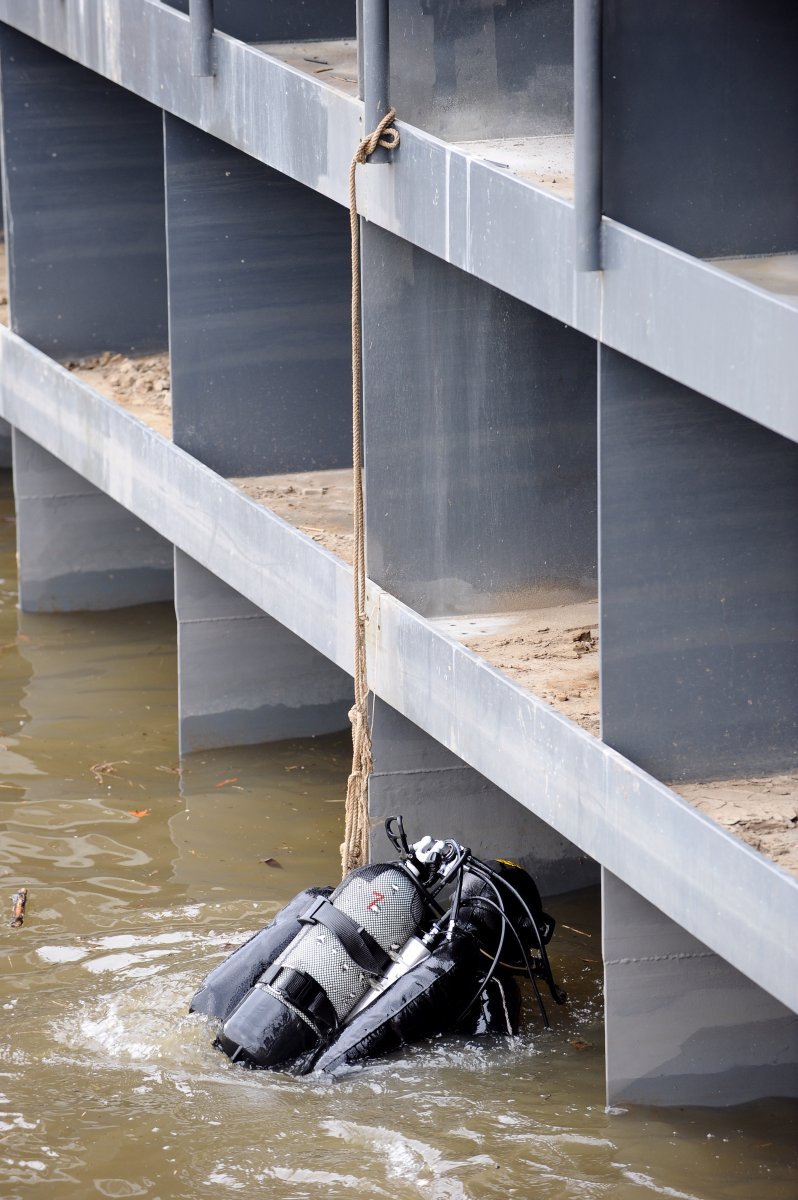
pixel 341 976
pixel 226 986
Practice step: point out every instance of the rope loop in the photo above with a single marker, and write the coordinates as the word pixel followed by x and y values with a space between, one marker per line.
pixel 385 136
pixel 355 846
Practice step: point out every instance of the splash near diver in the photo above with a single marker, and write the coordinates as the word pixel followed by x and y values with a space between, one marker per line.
pixel 382 961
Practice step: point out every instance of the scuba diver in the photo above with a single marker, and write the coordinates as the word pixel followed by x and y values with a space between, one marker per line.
pixel 341 976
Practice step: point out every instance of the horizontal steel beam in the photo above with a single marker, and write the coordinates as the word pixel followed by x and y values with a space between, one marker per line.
pixel 713 885
pixel 692 321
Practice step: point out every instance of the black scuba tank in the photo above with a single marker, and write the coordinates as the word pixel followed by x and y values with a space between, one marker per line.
pixel 227 984
pixel 347 941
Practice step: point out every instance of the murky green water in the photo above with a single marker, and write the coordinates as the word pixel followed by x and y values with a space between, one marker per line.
pixel 140 877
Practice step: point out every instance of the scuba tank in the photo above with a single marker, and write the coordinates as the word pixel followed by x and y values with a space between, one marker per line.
pixel 341 976
pixel 227 985
pixel 346 941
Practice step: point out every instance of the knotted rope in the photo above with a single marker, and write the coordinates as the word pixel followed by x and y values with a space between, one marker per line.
pixel 355 847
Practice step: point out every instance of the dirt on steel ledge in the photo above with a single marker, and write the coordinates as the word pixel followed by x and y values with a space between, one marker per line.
pixel 317 502
pixel 551 651
pixel 139 385
pixel 762 810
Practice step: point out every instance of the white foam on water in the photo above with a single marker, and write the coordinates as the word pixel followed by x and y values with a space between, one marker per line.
pixel 118 963
pixel 659 1189
pixel 61 954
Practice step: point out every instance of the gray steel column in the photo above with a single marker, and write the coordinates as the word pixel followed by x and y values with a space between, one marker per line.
pixel 682 1026
pixel 83 166
pixel 480 451
pixel 699 581
pixel 202 53
pixel 77 548
pixel 587 134
pixel 259 278
pixel 686 148
pixel 437 793
pixel 242 677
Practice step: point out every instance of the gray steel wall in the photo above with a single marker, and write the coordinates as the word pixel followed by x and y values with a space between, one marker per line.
pixel 700 116
pixel 699 581
pixel 272 20
pixel 483 68
pixel 480 435
pixel 259 277
pixel 87 259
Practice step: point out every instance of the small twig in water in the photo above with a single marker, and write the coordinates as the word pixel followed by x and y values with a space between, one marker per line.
pixel 18 902
pixel 100 770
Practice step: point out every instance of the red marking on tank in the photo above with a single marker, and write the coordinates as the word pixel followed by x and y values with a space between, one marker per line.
pixel 377 897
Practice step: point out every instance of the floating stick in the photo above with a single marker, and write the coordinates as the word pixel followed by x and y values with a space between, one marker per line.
pixel 18 902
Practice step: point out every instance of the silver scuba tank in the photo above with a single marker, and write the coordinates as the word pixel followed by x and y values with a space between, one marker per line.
pixel 348 942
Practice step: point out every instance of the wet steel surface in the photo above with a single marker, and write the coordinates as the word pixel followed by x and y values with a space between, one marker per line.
pixel 141 876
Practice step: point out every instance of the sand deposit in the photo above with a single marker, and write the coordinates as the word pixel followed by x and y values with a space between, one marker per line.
pixel 550 651
pixel 317 502
pixel 762 810
pixel 139 385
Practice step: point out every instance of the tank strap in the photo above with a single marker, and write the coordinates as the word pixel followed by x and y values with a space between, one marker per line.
pixel 304 994
pixel 361 947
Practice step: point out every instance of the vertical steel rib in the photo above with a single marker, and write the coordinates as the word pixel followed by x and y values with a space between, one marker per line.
pixel 202 56
pixel 587 134
pixel 376 68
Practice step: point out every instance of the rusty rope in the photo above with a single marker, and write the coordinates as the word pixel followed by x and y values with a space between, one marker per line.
pixel 355 847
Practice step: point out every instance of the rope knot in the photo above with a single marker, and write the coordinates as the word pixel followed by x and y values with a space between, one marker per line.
pixel 386 136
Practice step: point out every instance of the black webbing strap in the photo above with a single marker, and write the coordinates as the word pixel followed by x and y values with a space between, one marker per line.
pixel 303 991
pixel 357 941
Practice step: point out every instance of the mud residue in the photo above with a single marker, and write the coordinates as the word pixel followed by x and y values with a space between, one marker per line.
pixel 552 652
pixel 762 810
pixel 139 385
pixel 317 502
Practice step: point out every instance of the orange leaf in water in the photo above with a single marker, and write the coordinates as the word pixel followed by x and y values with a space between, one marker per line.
pixel 138 812
pixel 224 782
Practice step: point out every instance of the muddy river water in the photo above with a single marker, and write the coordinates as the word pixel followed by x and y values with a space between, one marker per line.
pixel 143 871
